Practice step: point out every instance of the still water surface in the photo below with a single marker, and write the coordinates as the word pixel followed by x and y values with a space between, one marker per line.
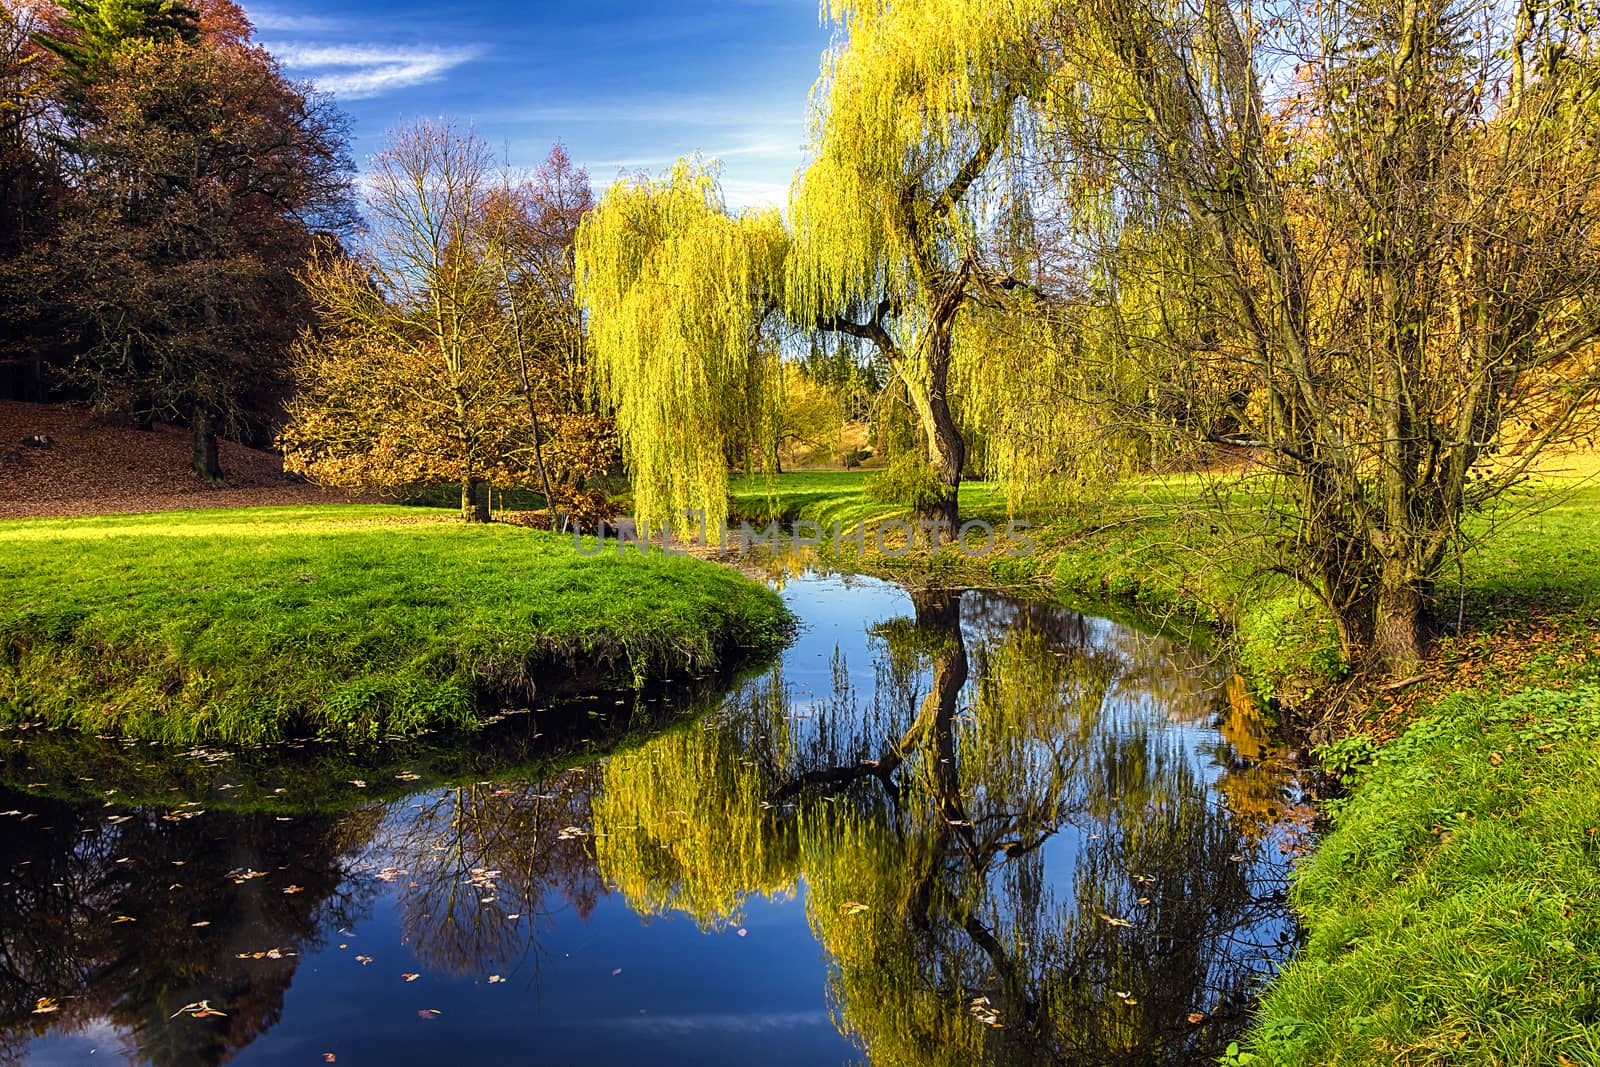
pixel 946 828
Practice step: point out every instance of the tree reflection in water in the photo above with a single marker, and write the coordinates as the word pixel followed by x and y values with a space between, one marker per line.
pixel 1007 856
pixel 482 867
pixel 123 920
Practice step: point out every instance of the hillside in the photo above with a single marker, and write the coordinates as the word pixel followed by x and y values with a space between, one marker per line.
pixel 97 466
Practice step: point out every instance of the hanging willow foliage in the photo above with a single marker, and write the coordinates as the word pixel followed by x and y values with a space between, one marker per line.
pixel 677 291
pixel 919 118
pixel 900 110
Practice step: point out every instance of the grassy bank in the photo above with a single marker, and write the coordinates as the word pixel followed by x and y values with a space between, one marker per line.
pixel 1453 912
pixel 250 626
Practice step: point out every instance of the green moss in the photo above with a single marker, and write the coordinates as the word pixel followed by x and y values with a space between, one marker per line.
pixel 359 623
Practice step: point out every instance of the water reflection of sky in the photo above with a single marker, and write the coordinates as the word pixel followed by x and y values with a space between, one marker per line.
pixel 582 975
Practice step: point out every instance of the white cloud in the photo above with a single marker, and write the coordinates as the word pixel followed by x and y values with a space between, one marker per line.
pixel 356 71
pixel 283 22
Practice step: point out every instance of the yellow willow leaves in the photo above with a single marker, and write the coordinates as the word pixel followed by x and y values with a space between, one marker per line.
pixel 683 823
pixel 899 109
pixel 676 288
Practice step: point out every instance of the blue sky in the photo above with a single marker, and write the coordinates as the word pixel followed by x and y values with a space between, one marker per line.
pixel 624 85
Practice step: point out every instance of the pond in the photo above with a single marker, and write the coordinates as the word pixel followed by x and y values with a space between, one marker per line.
pixel 948 827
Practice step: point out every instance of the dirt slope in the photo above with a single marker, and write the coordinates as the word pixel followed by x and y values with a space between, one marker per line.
pixel 97 466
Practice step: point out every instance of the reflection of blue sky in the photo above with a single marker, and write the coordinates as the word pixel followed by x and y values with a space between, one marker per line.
pixel 625 85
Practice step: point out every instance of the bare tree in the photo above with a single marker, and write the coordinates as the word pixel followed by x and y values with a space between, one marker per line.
pixel 1376 223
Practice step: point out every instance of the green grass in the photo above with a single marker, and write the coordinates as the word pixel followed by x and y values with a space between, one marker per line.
pixel 1453 913
pixel 244 627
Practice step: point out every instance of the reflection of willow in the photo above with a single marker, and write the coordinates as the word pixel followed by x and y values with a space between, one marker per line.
pixel 482 864
pixel 924 829
pixel 681 824
pixel 73 878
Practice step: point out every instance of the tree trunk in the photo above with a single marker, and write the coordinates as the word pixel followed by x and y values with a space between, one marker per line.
pixel 474 508
pixel 207 463
pixel 947 451
pixel 1400 623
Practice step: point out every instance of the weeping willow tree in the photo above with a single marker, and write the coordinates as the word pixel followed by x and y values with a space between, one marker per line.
pixel 920 123
pixel 1384 262
pixel 679 294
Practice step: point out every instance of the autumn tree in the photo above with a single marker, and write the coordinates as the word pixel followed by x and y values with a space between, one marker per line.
pixel 30 187
pixel 530 233
pixel 198 175
pixel 434 350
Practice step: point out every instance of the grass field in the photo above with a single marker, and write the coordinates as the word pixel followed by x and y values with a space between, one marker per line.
pixel 351 622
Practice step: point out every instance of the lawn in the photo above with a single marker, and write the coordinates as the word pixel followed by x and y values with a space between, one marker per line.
pixel 355 622
pixel 1452 914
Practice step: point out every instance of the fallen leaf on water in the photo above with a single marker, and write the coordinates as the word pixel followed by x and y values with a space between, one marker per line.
pixel 411 976
pixel 1114 921
pixel 493 978
pixel 429 1014
pixel 200 1009
pixel 123 919
pixel 1196 1017
pixel 328 1057
pixel 616 972
pixel 853 908
pixel 295 889
pixel 363 960
pixel 45 1005
pixel 742 932
pixel 202 922
pixel 408 777
pixel 358 783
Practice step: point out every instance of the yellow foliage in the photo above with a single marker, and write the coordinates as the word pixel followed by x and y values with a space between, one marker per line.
pixel 676 290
